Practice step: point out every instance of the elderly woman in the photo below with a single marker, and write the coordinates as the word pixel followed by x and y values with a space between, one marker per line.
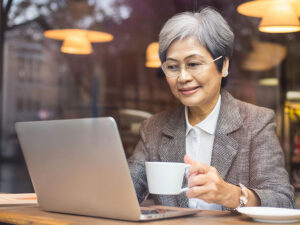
pixel 235 155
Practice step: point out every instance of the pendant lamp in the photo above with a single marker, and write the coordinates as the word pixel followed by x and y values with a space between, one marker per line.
pixel 76 45
pixel 278 16
pixel 152 56
pixel 77 41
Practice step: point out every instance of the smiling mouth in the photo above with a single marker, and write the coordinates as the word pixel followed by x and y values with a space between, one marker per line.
pixel 189 90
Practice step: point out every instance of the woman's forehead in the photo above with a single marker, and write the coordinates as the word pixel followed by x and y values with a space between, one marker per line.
pixel 186 48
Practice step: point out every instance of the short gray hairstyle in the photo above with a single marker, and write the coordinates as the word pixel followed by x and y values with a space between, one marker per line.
pixel 207 25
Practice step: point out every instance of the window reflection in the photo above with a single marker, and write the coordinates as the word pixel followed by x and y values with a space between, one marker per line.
pixel 40 82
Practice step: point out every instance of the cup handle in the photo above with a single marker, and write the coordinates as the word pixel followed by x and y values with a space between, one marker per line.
pixel 184 189
pixel 187 166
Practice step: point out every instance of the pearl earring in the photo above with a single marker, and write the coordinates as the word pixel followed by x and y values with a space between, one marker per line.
pixel 226 73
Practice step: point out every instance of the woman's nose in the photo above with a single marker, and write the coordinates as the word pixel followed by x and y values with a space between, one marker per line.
pixel 184 75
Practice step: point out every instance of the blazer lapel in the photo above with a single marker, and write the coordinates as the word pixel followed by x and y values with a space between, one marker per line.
pixel 226 147
pixel 172 148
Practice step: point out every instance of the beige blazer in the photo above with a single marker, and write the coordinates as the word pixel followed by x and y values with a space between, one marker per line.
pixel 246 150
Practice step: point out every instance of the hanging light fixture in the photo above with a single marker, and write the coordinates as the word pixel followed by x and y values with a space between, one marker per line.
pixel 278 16
pixel 152 56
pixel 77 41
pixel 285 20
pixel 76 45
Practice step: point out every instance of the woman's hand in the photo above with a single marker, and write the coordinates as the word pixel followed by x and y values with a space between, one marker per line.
pixel 205 183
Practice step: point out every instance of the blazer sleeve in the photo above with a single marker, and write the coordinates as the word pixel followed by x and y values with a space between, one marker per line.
pixel 136 165
pixel 268 176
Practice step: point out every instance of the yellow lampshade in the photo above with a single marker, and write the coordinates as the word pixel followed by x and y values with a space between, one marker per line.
pixel 77 41
pixel 93 36
pixel 152 56
pixel 278 16
pixel 78 45
pixel 257 8
pixel 254 8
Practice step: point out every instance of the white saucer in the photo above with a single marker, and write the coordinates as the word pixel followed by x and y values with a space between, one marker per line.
pixel 271 215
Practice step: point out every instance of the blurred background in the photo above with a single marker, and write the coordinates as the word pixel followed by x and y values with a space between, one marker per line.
pixel 121 77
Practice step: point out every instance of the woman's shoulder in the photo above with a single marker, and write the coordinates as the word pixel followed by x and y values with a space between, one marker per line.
pixel 257 114
pixel 254 110
pixel 254 115
pixel 246 109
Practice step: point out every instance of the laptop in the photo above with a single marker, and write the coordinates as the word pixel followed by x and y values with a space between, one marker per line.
pixel 78 166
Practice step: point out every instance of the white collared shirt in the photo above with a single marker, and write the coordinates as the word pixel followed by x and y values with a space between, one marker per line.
pixel 199 141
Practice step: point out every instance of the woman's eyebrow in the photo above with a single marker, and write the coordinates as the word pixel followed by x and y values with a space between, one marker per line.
pixel 171 59
pixel 194 55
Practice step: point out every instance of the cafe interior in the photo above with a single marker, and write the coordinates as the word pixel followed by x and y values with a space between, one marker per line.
pixel 67 59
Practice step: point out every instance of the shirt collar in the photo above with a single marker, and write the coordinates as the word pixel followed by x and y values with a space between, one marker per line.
pixel 209 123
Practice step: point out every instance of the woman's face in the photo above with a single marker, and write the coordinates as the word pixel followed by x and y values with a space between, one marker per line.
pixel 194 89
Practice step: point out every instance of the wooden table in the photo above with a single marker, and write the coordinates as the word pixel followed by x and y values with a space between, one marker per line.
pixel 34 216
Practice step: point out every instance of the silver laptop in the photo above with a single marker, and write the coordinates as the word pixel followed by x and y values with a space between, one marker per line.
pixel 78 166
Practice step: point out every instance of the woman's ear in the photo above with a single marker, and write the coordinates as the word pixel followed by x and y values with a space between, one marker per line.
pixel 225 67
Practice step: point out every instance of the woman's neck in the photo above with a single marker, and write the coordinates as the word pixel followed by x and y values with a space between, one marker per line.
pixel 196 114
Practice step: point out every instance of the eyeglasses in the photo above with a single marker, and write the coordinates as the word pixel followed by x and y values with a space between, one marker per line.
pixel 193 66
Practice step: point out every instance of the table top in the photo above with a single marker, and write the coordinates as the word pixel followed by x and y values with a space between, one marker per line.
pixel 33 215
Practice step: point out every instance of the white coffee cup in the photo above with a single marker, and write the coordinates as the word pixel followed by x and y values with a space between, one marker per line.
pixel 165 178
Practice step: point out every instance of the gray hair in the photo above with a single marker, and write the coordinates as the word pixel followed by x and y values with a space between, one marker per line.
pixel 207 25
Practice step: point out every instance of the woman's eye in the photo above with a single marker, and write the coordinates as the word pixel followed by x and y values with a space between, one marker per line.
pixel 193 64
pixel 172 67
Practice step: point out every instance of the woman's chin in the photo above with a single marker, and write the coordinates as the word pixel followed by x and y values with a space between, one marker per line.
pixel 191 102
